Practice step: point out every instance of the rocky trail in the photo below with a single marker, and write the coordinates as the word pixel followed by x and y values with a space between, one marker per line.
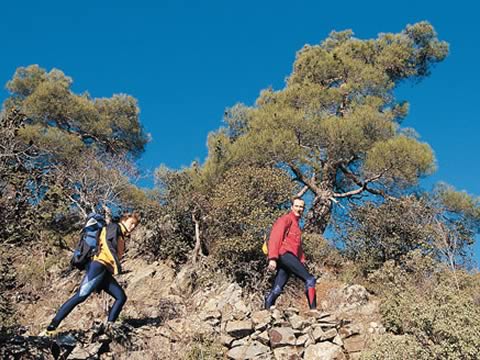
pixel 167 318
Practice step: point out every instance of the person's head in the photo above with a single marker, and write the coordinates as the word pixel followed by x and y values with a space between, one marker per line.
pixel 130 221
pixel 298 205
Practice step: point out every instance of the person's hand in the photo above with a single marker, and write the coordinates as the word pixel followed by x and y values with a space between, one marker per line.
pixel 272 265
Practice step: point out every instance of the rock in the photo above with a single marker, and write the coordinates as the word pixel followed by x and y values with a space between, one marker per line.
pixel 185 280
pixel 231 295
pixel 241 307
pixel 324 351
pixel 281 336
pixel 239 329
pixel 292 311
pixel 261 319
pixel 298 322
pixel 190 325
pixel 354 344
pixel 317 314
pixel 319 335
pixel 355 295
pixel 158 276
pixel 376 328
pixel 134 355
pixel 248 351
pixel 277 315
pixel 264 338
pixel 78 353
pixel 210 315
pixel 226 340
pixel 329 335
pixel 239 342
pixel 328 321
pixel 211 305
pixel 66 340
pixel 302 340
pixel 337 340
pixel 81 353
pixel 287 353
pixel 349 330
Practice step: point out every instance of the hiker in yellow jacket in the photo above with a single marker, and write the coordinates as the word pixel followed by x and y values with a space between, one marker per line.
pixel 101 269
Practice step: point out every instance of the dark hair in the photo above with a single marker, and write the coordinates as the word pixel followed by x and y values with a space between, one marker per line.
pixel 133 215
pixel 296 198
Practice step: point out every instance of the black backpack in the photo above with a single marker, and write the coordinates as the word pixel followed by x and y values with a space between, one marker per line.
pixel 87 245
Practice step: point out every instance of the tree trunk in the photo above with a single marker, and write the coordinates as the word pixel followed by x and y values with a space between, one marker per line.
pixel 318 217
pixel 198 243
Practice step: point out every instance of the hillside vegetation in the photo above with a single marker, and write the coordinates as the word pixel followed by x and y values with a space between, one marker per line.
pixel 333 135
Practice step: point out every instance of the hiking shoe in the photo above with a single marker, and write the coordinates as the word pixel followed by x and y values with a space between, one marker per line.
pixel 50 331
pixel 98 327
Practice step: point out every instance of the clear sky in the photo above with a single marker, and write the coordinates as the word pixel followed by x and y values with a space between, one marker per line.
pixel 187 60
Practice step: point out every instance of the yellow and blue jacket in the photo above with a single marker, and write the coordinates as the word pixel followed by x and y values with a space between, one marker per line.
pixel 111 246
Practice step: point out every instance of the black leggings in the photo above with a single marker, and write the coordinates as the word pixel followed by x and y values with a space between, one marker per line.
pixel 97 278
pixel 290 264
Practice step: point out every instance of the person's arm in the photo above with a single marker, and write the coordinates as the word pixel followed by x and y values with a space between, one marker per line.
pixel 301 256
pixel 114 235
pixel 277 235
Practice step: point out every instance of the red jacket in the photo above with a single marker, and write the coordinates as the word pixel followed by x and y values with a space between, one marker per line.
pixel 286 236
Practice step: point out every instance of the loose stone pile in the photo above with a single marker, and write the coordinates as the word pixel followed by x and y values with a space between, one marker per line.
pixel 289 335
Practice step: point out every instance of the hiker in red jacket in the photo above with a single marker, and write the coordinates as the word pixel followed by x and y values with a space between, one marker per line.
pixel 285 254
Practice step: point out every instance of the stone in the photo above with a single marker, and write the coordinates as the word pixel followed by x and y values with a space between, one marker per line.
pixel 264 338
pixel 324 351
pixel 329 335
pixel 239 342
pixel 66 340
pixel 281 336
pixel 210 315
pixel 329 320
pixel 226 340
pixel 354 344
pixel 80 353
pixel 185 280
pixel 337 340
pixel 298 322
pixel 240 306
pixel 287 353
pixel 250 351
pixel 349 330
pixel 211 305
pixel 239 329
pixel 355 294
pixel 261 319
pixel 302 340
pixel 291 311
pixel 317 333
pixel 277 315
pixel 320 335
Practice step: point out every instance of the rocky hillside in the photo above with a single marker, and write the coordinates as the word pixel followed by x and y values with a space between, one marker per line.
pixel 171 315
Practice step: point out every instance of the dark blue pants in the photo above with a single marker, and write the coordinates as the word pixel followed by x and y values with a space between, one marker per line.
pixel 97 278
pixel 290 264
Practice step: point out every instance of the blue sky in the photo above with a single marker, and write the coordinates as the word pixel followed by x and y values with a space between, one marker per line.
pixel 186 61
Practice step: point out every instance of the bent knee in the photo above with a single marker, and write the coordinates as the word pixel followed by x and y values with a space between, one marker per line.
pixel 277 290
pixel 122 298
pixel 310 282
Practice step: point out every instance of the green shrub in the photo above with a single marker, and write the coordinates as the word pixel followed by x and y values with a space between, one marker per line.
pixel 319 252
pixel 394 347
pixel 204 348
pixel 374 234
pixel 431 304
pixel 244 207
